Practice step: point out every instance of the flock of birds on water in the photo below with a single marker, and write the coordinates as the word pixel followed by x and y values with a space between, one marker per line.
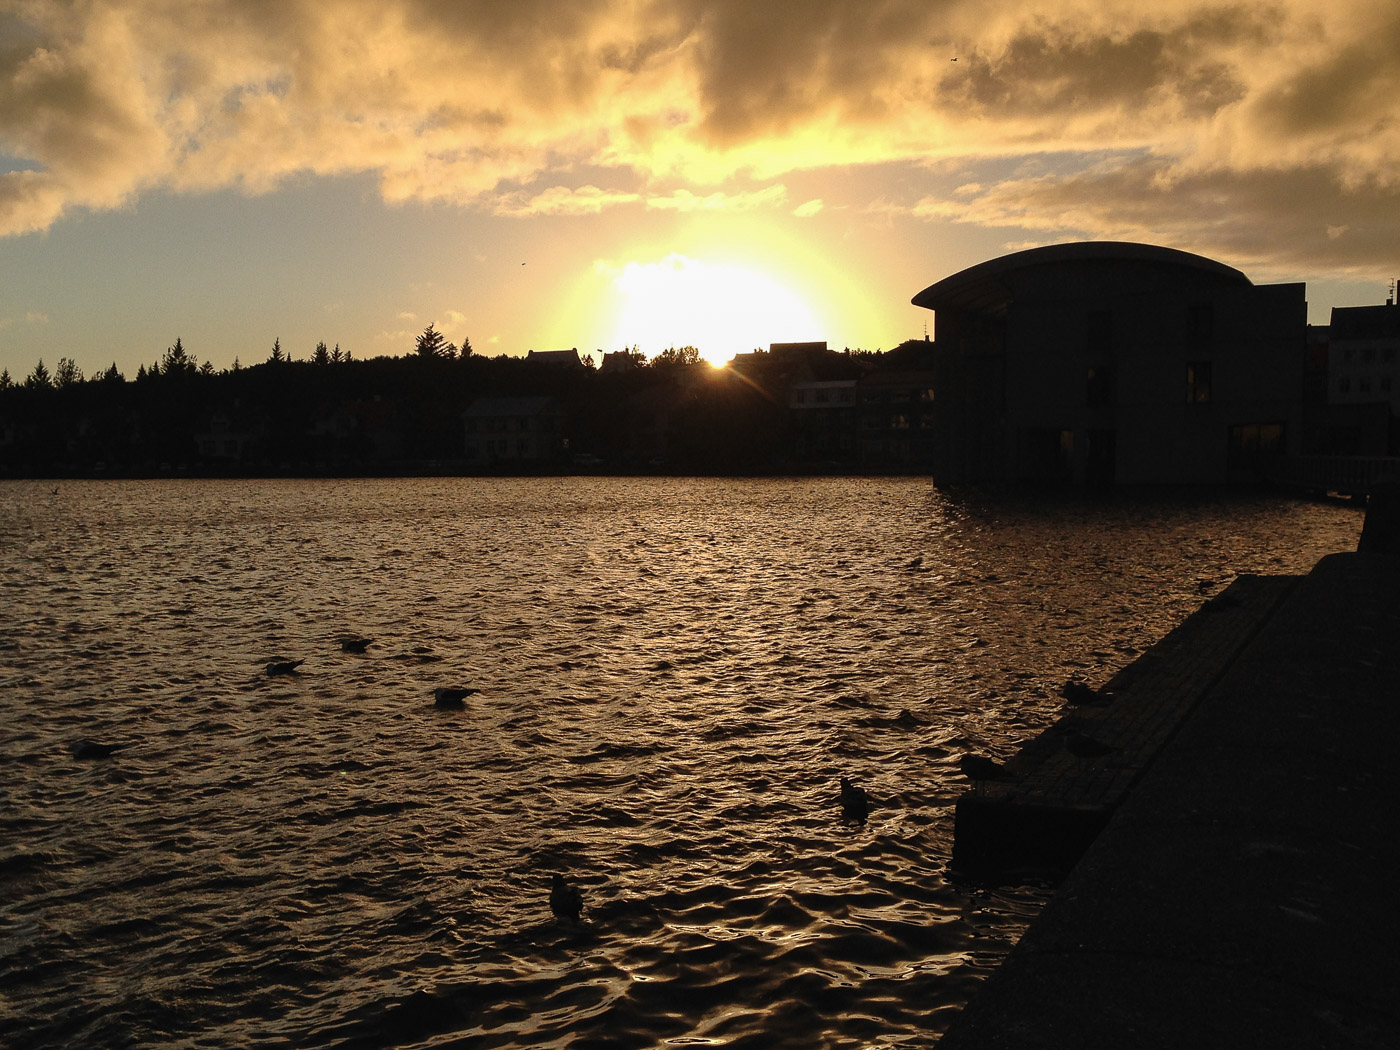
pixel 565 898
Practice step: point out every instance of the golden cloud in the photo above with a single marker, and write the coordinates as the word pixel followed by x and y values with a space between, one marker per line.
pixel 499 106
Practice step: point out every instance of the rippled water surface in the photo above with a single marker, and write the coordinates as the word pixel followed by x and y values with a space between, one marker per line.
pixel 673 675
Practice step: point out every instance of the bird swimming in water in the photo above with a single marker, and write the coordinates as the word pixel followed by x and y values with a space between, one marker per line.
pixel 854 805
pixel 565 900
pixel 1081 693
pixel 979 767
pixel 1082 745
pixel 355 645
pixel 93 749
pixel 278 667
pixel 450 699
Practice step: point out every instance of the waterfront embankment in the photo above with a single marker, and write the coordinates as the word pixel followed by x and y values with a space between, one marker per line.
pixel 1240 891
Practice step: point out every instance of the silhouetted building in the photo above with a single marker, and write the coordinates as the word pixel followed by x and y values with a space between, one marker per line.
pixel 1101 362
pixel 1363 373
pixel 897 417
pixel 228 436
pixel 506 430
pixel 622 362
pixel 821 401
pixel 555 358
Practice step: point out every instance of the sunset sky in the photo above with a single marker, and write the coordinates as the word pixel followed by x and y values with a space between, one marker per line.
pixel 543 174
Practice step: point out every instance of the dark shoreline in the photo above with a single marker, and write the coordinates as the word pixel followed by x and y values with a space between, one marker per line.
pixel 1236 896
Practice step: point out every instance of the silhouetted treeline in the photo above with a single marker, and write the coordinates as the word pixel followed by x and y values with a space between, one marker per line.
pixel 337 415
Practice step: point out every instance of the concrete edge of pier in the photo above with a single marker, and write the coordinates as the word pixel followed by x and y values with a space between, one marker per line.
pixel 1051 804
pixel 1235 889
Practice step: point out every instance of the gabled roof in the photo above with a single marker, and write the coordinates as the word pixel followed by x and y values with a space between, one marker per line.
pixel 987 287
pixel 567 358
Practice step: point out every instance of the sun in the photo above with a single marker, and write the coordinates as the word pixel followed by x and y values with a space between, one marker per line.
pixel 721 309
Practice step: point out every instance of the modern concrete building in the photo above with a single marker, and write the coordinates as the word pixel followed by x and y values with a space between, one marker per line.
pixel 1103 362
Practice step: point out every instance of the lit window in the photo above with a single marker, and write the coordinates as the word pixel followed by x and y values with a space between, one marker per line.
pixel 1197 382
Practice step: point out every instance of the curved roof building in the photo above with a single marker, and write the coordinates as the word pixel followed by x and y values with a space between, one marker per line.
pixel 992 285
pixel 1107 361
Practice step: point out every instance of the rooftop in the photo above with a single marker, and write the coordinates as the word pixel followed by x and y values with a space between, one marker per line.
pixel 987 287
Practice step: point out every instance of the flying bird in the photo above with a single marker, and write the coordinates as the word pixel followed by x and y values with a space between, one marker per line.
pixel 278 667
pixel 355 645
pixel 565 900
pixel 451 699
pixel 854 805
pixel 1081 693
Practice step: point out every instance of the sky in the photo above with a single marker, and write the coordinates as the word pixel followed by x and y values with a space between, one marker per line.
pixel 601 174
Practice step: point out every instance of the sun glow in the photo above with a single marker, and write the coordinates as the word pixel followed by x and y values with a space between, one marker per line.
pixel 718 308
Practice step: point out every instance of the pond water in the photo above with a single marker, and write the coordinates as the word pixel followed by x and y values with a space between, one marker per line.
pixel 673 675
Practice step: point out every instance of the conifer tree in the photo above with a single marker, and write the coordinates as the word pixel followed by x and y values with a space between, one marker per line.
pixel 39 379
pixel 431 343
pixel 5 381
pixel 322 356
pixel 177 362
pixel 276 357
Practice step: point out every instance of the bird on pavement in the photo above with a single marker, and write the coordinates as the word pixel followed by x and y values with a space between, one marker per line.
pixel 1081 693
pixel 979 767
pixel 565 900
pixel 854 805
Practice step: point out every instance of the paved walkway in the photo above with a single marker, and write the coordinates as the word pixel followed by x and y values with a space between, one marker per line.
pixel 1244 892
pixel 1040 821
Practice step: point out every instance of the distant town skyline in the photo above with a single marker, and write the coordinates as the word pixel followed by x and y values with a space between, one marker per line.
pixel 720 174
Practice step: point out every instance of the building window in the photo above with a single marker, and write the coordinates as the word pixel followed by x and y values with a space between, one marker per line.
pixel 1197 382
pixel 1098 387
pixel 1364 385
pixel 1344 385
pixel 1385 384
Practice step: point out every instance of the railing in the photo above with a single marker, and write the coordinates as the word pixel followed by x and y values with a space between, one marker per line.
pixel 1344 475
